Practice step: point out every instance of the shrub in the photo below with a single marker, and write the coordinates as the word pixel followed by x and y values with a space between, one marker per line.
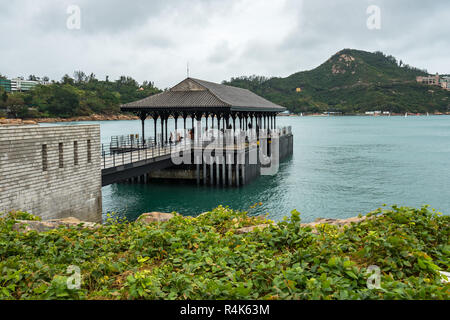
pixel 203 258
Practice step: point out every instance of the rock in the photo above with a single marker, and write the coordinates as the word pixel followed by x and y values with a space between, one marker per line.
pixel 334 222
pixel 25 226
pixel 152 217
pixel 29 122
pixel 251 229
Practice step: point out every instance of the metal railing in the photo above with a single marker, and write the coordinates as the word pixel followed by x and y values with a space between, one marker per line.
pixel 111 157
pixel 124 150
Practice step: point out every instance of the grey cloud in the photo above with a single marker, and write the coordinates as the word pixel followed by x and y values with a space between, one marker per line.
pixel 153 40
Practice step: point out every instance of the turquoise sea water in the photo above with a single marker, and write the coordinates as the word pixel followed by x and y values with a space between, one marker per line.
pixel 342 166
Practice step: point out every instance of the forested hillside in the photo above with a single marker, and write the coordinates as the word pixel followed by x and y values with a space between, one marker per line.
pixel 352 81
pixel 81 95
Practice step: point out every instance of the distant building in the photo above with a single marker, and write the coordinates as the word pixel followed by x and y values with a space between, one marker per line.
pixel 435 80
pixel 445 83
pixel 430 80
pixel 5 84
pixel 19 84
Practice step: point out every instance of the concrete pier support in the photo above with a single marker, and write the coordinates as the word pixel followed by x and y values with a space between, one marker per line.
pixel 218 171
pixel 233 169
pixel 197 173
pixel 224 165
pixel 230 171
pixel 211 168
pixel 204 172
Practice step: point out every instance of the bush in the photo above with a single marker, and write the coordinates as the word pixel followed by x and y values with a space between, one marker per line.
pixel 203 258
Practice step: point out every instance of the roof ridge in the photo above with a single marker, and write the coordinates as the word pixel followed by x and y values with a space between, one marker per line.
pixel 152 95
pixel 209 90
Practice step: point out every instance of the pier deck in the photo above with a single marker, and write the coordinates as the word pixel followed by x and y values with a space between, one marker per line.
pixel 211 163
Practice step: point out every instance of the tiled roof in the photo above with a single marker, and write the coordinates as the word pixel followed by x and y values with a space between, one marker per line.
pixel 194 93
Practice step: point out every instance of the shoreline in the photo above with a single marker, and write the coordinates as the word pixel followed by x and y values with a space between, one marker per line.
pixel 99 117
pixel 365 115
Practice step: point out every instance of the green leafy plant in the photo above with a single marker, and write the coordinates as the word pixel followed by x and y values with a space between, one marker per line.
pixel 204 258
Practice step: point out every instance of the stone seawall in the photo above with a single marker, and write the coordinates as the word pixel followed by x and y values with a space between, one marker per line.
pixel 51 172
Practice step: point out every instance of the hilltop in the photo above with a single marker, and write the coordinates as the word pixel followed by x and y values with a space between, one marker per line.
pixel 351 81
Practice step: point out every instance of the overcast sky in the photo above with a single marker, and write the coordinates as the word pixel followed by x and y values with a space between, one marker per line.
pixel 154 39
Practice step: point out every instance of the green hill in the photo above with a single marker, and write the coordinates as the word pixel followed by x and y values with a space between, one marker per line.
pixel 352 81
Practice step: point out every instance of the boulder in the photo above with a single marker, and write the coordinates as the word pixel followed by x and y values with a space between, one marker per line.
pixel 152 217
pixel 334 222
pixel 29 122
pixel 25 226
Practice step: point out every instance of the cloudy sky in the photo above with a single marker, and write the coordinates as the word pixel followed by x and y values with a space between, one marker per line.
pixel 154 39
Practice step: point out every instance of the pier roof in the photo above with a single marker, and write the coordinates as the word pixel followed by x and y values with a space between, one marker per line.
pixel 194 94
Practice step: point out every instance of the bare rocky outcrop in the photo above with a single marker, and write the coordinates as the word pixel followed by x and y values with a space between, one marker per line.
pixel 334 222
pixel 94 117
pixel 25 226
pixel 152 217
pixel 16 122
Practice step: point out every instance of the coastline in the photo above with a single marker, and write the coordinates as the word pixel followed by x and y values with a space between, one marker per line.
pixel 94 117
pixel 365 115
pixel 116 117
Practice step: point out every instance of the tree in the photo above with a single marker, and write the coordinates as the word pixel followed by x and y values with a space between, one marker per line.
pixel 4 97
pixel 80 76
pixel 91 78
pixel 65 102
pixel 67 80
pixel 32 77
pixel 16 106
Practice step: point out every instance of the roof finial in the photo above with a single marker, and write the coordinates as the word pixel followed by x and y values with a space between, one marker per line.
pixel 188 69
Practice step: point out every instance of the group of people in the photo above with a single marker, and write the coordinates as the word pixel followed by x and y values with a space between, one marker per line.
pixel 190 135
pixel 178 138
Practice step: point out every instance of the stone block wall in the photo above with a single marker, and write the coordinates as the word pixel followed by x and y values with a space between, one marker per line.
pixel 52 172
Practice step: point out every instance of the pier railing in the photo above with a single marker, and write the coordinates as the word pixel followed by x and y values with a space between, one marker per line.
pixel 123 150
pixel 127 154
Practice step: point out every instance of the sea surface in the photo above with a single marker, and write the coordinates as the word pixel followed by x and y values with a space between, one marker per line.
pixel 342 166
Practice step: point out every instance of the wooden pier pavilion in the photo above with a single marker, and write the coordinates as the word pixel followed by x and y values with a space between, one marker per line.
pixel 226 109
pixel 195 99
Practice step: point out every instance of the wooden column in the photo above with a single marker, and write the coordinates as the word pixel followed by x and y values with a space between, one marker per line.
pixel 155 119
pixel 162 130
pixel 166 120
pixel 143 116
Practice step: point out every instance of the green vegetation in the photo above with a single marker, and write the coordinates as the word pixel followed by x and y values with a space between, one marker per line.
pixel 352 81
pixel 80 96
pixel 203 258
